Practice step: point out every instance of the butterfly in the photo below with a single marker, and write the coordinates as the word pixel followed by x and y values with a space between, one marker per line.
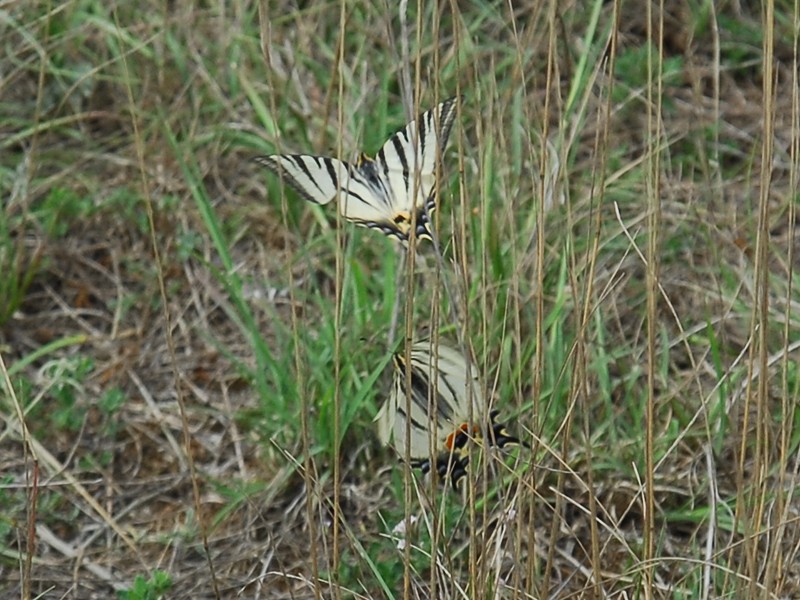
pixel 437 383
pixel 390 192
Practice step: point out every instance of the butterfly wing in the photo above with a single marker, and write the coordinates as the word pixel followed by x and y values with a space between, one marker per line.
pixel 398 414
pixel 407 163
pixel 318 179
pixel 457 385
pixel 361 195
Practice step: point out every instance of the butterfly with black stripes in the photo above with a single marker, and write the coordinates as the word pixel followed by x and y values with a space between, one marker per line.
pixel 430 401
pixel 390 192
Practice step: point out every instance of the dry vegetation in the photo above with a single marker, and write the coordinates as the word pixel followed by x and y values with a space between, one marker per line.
pixel 192 358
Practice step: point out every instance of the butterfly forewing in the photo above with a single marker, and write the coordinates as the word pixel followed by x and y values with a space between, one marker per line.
pixel 318 179
pixel 400 410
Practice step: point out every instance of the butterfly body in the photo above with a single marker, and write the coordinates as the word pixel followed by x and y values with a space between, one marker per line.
pixel 390 192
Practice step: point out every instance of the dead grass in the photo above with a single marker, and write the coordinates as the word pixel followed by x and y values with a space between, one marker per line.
pixel 151 441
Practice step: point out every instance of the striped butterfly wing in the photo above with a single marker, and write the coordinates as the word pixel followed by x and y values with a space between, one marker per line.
pixel 434 408
pixel 315 178
pixel 380 193
pixel 320 180
pixel 395 414
pixel 407 163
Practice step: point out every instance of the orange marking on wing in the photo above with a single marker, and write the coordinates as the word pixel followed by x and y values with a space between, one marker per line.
pixel 463 428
